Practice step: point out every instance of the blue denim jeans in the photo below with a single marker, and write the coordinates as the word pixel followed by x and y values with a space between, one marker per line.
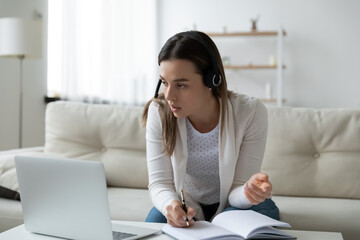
pixel 267 208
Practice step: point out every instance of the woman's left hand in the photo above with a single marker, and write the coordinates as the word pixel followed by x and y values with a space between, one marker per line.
pixel 258 188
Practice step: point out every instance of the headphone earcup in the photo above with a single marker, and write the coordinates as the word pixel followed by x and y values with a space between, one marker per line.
pixel 212 79
pixel 208 79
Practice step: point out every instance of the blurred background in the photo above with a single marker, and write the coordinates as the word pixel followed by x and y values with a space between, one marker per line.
pixel 104 51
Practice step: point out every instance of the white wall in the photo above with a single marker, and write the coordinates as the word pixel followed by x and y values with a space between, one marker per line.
pixel 34 85
pixel 322 54
pixel 322 50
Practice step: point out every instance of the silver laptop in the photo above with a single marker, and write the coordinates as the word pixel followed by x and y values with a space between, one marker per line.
pixel 68 199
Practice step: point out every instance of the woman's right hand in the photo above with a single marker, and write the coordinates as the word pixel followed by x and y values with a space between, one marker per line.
pixel 176 216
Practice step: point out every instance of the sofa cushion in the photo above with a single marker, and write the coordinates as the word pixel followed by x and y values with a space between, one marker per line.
pixel 313 152
pixel 129 204
pixel 321 214
pixel 11 214
pixel 112 134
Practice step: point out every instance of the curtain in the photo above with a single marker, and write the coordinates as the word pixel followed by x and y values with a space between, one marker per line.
pixel 102 50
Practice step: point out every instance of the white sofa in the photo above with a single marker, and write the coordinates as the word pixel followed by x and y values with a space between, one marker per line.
pixel 312 157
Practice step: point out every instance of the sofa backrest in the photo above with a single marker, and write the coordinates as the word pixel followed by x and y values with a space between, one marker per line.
pixel 108 133
pixel 309 152
pixel 313 153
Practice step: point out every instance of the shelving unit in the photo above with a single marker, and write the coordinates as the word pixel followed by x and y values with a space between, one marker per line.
pixel 247 34
pixel 271 100
pixel 280 34
pixel 235 67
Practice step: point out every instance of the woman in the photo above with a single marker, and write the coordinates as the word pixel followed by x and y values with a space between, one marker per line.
pixel 202 138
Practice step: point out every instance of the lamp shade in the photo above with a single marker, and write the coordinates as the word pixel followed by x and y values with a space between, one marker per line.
pixel 20 37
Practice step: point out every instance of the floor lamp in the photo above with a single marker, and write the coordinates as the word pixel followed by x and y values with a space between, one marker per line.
pixel 20 38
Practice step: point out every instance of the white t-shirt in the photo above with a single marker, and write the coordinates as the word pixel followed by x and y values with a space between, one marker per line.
pixel 202 179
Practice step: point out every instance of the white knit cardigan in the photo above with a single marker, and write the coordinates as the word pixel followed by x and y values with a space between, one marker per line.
pixel 241 149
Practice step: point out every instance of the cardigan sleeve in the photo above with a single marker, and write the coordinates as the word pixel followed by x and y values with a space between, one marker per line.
pixel 161 180
pixel 251 154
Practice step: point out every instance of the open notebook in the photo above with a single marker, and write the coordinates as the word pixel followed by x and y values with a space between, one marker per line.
pixel 232 225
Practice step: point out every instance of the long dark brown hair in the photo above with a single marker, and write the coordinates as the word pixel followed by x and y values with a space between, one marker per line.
pixel 183 47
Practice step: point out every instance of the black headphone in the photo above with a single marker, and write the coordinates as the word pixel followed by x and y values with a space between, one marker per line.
pixel 212 77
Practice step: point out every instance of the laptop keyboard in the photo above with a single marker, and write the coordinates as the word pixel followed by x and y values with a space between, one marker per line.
pixel 122 235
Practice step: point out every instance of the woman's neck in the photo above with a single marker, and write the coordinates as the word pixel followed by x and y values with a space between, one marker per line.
pixel 208 119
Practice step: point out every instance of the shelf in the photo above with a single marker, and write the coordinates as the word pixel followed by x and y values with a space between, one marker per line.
pixel 244 34
pixel 279 67
pixel 270 100
pixel 239 67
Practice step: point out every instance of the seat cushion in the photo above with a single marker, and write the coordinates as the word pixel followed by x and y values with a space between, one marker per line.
pixel 321 214
pixel 10 214
pixel 129 204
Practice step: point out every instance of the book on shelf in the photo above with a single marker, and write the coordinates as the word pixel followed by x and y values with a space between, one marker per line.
pixel 245 224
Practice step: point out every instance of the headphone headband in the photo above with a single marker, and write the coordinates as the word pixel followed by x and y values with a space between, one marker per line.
pixel 212 77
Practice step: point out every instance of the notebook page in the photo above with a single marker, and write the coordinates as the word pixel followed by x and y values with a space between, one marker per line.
pixel 199 230
pixel 244 222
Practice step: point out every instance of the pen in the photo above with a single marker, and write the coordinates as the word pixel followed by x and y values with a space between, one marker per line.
pixel 184 205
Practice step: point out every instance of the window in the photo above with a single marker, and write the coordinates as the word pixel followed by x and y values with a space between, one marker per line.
pixel 102 50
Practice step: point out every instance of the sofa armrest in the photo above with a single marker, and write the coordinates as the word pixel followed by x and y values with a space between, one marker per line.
pixel 13 152
pixel 8 178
